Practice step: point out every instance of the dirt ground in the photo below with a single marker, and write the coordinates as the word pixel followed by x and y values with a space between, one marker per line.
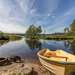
pixel 23 68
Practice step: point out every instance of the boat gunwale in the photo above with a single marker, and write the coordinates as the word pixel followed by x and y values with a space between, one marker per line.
pixel 47 59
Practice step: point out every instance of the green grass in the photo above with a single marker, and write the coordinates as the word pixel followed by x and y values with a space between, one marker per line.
pixel 55 37
pixel 14 37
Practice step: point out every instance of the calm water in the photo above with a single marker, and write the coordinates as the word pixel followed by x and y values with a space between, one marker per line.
pixel 28 49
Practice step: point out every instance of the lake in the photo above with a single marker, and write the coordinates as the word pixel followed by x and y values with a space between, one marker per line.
pixel 28 49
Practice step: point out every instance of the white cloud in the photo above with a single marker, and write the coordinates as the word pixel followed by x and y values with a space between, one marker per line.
pixel 70 12
pixel 52 5
pixel 4 10
pixel 10 17
pixel 12 28
pixel 26 5
pixel 33 12
pixel 26 11
pixel 59 22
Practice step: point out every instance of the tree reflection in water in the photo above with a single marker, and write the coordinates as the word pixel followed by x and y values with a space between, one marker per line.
pixel 2 42
pixel 70 44
pixel 73 47
pixel 67 43
pixel 34 44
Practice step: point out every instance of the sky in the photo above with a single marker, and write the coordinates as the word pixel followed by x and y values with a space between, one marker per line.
pixel 53 15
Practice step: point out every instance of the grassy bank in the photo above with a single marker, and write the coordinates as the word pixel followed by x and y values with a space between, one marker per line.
pixel 54 37
pixel 14 37
pixel 10 37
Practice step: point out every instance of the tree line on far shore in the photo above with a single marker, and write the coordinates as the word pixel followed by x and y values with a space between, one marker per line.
pixel 34 31
pixel 70 29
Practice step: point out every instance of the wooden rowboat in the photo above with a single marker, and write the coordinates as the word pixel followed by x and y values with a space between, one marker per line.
pixel 64 64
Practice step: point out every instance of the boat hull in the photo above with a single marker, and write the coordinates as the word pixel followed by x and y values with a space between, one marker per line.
pixel 57 68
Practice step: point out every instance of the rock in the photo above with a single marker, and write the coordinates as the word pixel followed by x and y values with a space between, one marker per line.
pixel 2 58
pixel 9 60
pixel 4 61
pixel 15 59
pixel 22 65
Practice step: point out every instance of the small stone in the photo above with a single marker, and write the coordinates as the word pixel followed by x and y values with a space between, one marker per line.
pixel 22 65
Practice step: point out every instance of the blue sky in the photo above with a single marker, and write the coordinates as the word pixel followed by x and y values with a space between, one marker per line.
pixel 53 15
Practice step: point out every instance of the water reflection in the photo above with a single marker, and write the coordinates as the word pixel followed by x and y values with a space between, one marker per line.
pixel 2 42
pixel 34 44
pixel 70 45
pixel 67 43
pixel 73 47
pixel 26 47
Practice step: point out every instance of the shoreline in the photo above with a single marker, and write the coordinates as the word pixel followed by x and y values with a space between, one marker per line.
pixel 22 68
